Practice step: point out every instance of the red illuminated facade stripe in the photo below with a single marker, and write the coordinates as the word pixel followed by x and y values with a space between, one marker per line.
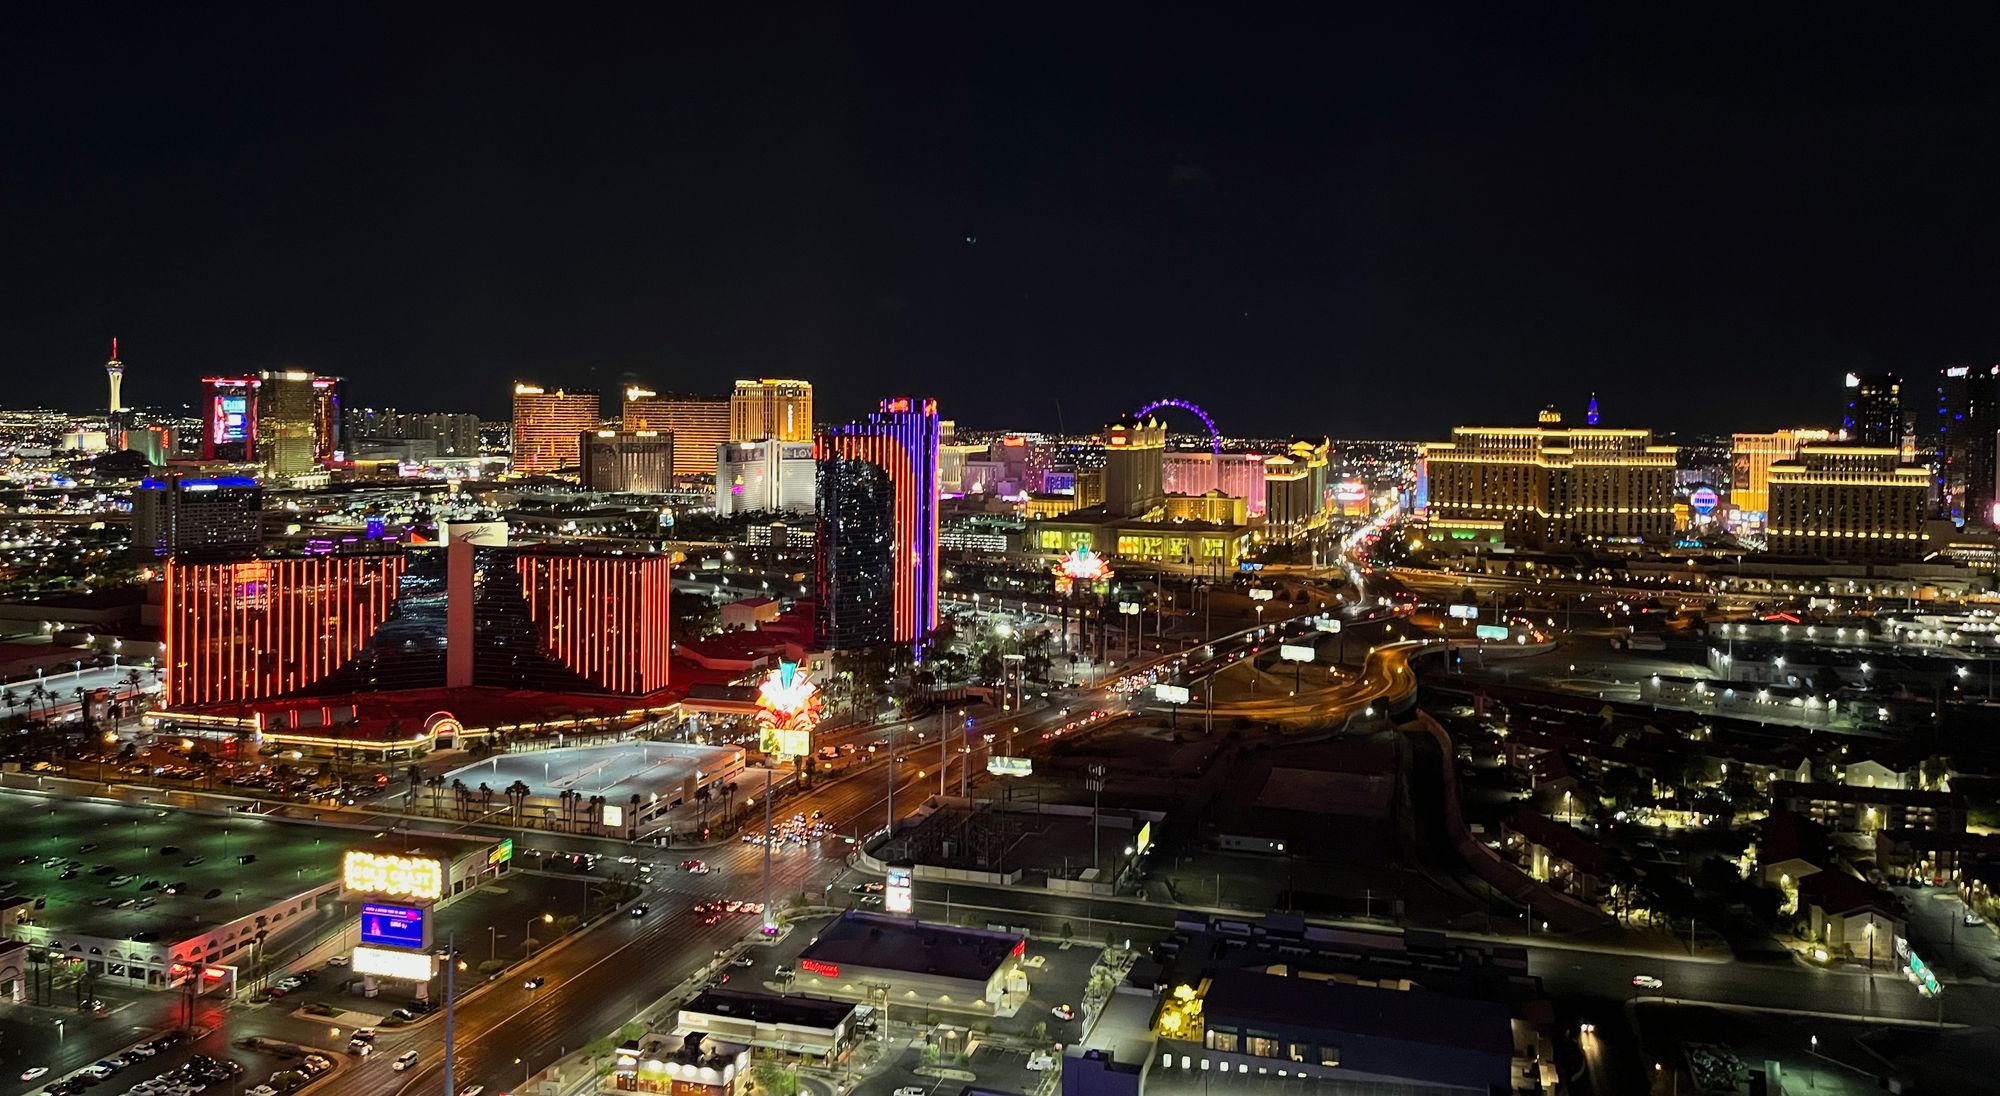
pixel 604 617
pixel 251 629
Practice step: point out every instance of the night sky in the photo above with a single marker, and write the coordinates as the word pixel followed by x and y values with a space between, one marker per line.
pixel 1373 225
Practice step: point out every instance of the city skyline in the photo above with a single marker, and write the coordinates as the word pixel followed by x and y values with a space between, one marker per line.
pixel 1343 202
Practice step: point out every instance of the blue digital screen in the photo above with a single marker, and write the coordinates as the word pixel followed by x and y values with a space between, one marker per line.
pixel 392 926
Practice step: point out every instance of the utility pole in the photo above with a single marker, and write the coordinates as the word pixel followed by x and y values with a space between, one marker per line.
pixel 889 826
pixel 768 914
pixel 1096 786
pixel 944 748
pixel 450 1012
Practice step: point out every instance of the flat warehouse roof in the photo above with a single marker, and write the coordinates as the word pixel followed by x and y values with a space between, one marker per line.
pixel 617 772
pixel 914 947
pixel 811 1012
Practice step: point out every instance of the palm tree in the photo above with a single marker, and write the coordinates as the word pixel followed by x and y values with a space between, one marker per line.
pixel 728 796
pixel 464 796
pixel 701 797
pixel 569 798
pixel 517 795
pixel 632 817
pixel 485 797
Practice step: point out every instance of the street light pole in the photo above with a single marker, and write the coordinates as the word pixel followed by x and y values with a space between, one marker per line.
pixel 768 923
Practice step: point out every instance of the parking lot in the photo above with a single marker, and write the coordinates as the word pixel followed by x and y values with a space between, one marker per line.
pixel 146 873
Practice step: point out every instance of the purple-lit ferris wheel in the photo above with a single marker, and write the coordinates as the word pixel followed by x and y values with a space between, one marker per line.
pixel 1214 435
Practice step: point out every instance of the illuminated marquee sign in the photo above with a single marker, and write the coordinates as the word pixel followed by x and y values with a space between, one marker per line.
pixel 411 966
pixel 788 708
pixel 395 926
pixel 1010 766
pixel 897 897
pixel 1082 566
pixel 1704 500
pixel 501 853
pixel 392 876
pixel 824 970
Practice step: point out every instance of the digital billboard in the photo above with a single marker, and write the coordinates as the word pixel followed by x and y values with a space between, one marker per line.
pixel 897 899
pixel 1292 652
pixel 1010 766
pixel 395 926
pixel 1170 694
pixel 413 966
pixel 392 876
pixel 232 418
pixel 1463 612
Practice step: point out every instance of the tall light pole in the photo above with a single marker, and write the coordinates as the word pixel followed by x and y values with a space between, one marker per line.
pixel 1096 786
pixel 769 924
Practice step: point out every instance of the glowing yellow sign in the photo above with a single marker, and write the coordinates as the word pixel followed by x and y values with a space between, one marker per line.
pixel 392 876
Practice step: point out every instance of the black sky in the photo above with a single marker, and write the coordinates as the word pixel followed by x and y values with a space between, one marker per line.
pixel 1369 223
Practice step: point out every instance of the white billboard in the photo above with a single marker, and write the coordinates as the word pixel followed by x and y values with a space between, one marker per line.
pixel 1010 766
pixel 1261 593
pixel 1170 694
pixel 1292 652
pixel 410 966
pixel 1327 624
pixel 896 899
pixel 1464 612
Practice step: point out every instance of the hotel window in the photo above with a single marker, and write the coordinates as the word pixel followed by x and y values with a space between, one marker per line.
pixel 1263 1044
pixel 1329 1056
pixel 1222 1039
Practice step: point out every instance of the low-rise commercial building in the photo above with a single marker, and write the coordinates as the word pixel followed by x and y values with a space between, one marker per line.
pixel 810 1026
pixel 877 959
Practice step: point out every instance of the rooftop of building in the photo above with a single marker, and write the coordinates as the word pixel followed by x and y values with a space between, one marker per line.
pixel 1837 892
pixel 1785 835
pixel 1099 515
pixel 1323 1005
pixel 916 947
pixel 810 1012
pixel 1561 841
pixel 1863 794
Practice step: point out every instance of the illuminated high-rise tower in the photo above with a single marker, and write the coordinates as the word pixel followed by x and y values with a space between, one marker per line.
pixel 115 369
pixel 878 527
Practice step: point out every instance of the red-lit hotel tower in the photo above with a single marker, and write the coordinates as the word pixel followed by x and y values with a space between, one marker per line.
pixel 603 616
pixel 537 619
pixel 250 629
pixel 878 527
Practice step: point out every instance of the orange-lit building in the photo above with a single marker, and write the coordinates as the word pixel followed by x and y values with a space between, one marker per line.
pixel 602 615
pixel 546 427
pixel 430 621
pixel 240 630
